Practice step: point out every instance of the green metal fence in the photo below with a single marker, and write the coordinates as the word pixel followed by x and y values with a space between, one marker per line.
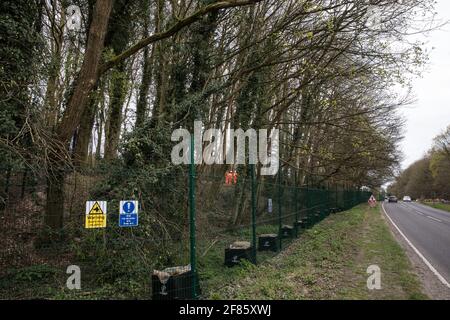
pixel 257 206
pixel 195 226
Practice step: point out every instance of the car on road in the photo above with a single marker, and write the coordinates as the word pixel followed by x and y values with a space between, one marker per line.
pixel 407 199
pixel 392 199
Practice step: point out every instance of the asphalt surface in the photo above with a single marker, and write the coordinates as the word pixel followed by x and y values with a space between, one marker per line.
pixel 428 229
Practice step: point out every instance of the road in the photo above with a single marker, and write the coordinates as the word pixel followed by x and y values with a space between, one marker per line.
pixel 428 231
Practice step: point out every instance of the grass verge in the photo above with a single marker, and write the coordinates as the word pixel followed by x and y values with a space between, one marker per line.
pixel 441 206
pixel 329 261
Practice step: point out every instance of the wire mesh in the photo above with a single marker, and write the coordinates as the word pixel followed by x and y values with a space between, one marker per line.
pixel 119 262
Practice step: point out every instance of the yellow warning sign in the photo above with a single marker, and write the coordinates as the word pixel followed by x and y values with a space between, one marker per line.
pixel 95 214
pixel 96 209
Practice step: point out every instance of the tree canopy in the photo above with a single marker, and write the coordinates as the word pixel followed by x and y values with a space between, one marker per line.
pixel 111 93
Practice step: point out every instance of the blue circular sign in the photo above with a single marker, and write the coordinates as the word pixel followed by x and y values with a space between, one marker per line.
pixel 128 207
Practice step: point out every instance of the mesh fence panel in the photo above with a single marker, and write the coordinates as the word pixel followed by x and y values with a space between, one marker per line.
pixel 235 224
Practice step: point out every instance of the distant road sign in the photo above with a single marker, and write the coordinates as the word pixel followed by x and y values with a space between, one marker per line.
pixel 372 202
pixel 96 214
pixel 128 216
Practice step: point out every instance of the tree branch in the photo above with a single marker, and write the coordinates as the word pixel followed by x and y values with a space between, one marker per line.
pixel 173 30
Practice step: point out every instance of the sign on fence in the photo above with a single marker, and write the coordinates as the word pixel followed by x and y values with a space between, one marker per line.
pixel 128 216
pixel 96 214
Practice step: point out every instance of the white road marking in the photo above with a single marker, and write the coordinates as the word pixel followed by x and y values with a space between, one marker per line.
pixel 419 212
pixel 433 218
pixel 423 214
pixel 429 265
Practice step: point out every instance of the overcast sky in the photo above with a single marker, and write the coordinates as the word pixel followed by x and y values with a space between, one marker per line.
pixel 430 114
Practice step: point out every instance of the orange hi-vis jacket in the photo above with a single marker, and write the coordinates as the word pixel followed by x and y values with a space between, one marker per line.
pixel 231 177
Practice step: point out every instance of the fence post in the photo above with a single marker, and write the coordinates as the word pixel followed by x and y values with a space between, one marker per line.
pixel 328 199
pixel 252 174
pixel 336 205
pixel 192 220
pixel 308 203
pixel 280 236
pixel 296 205
pixel 323 202
pixel 346 195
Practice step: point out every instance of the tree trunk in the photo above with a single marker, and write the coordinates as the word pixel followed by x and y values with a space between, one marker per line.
pixel 142 104
pixel 85 83
pixel 118 94
pixel 55 201
pixel 147 75
pixel 88 76
pixel 84 133
pixel 57 40
pixel 100 126
pixel 117 39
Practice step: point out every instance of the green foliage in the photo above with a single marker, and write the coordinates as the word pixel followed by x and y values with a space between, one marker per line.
pixel 440 206
pixel 427 178
pixel 253 101
pixel 19 38
pixel 145 174
pixel 34 273
pixel 322 82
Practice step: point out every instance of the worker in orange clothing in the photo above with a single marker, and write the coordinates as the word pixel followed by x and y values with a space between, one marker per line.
pixel 229 177
pixel 235 176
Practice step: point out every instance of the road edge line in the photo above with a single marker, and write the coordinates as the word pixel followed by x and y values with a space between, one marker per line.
pixel 428 264
pixel 433 218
